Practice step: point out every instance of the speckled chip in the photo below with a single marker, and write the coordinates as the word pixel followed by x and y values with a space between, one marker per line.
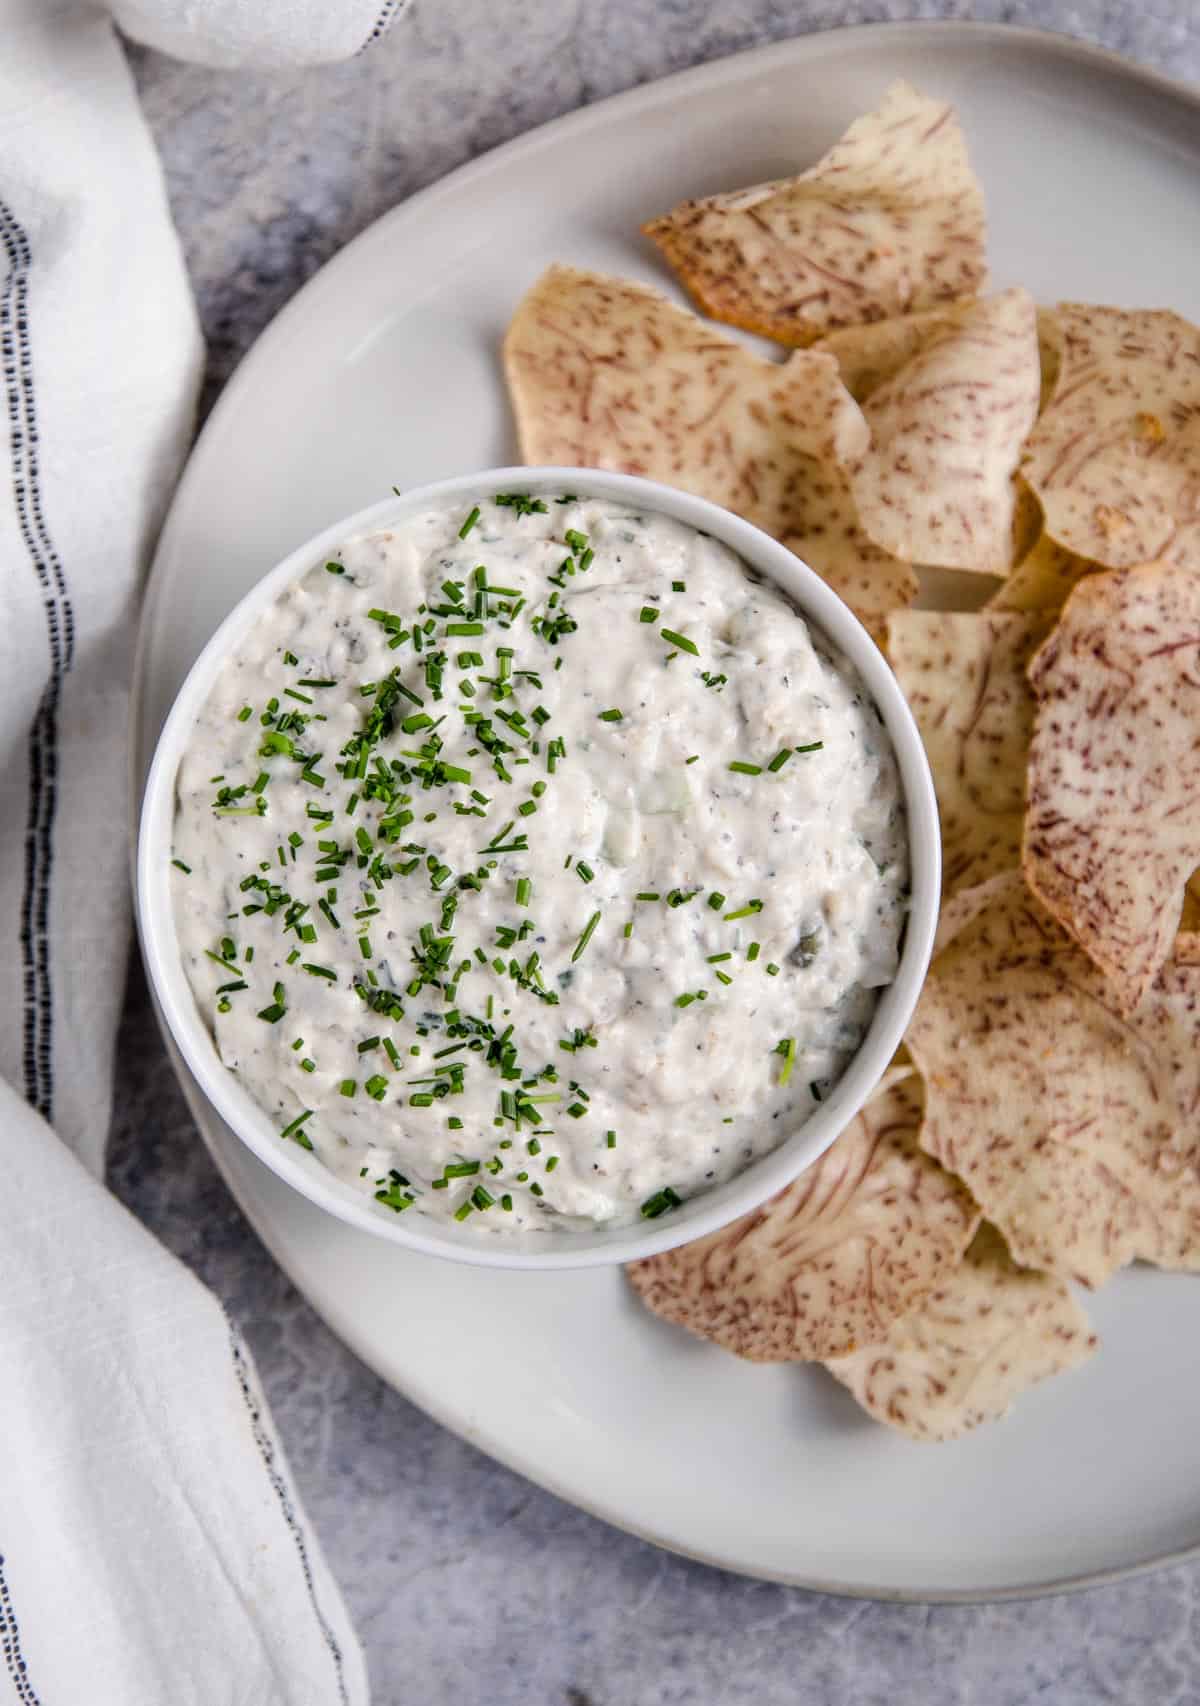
pixel 890 220
pixel 964 677
pixel 1073 1125
pixel 988 1332
pixel 1044 578
pixel 831 1261
pixel 937 483
pixel 1112 833
pixel 1115 457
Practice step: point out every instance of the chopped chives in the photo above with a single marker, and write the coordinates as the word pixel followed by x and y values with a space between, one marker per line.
pixel 680 640
pixel 186 869
pixel 752 952
pixel 716 900
pixel 348 1086
pixel 786 1046
pixel 747 911
pixel 772 969
pixel 678 586
pixel 610 1140
pixel 648 613
pixel 586 935
pixel 469 523
pixel 693 759
pixel 524 890
pixel 813 746
pixel 648 894
pixel 522 502
pixel 779 760
pixel 615 715
pixel 584 871
pixel 293 1127
pixel 716 959
pixel 660 1202
pixel 743 769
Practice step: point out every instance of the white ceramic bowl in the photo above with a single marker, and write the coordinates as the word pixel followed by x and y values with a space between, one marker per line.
pixel 467 1242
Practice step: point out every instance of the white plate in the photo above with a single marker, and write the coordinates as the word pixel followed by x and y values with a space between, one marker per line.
pixel 384 370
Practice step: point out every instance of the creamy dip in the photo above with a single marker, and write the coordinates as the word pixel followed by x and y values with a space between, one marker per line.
pixel 535 864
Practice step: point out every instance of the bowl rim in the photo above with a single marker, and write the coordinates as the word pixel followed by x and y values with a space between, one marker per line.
pixel 703 1214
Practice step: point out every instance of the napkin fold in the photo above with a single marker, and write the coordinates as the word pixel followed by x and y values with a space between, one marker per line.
pixel 152 1547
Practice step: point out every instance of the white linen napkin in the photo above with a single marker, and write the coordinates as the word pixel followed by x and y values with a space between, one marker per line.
pixel 152 1548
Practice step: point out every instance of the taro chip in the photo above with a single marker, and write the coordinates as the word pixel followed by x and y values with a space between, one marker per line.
pixel 889 221
pixel 1044 578
pixel 830 1262
pixel 1189 922
pixel 1112 833
pixel 964 906
pixel 604 373
pixel 988 1332
pixel 824 531
pixel 937 484
pixel 869 355
pixel 1050 348
pixel 1073 1125
pixel 1115 457
pixel 964 678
